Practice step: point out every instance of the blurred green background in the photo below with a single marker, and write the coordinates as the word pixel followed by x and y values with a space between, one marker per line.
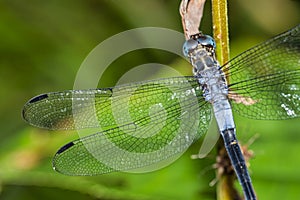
pixel 42 45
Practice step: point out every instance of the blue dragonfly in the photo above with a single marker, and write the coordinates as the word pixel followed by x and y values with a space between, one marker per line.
pixel 140 124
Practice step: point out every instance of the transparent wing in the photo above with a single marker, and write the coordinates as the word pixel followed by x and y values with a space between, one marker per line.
pixel 142 124
pixel 265 80
pixel 94 108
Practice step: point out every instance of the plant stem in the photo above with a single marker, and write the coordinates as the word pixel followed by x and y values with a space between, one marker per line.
pixel 220 28
pixel 225 185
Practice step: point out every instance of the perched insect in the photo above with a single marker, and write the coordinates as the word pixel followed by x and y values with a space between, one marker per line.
pixel 147 122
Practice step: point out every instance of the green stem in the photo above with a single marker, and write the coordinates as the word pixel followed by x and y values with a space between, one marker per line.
pixel 225 185
pixel 220 28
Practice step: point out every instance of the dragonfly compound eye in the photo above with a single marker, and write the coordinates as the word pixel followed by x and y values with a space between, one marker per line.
pixel 189 46
pixel 196 41
pixel 206 41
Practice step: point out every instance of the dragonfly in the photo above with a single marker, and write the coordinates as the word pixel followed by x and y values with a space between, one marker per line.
pixel 140 124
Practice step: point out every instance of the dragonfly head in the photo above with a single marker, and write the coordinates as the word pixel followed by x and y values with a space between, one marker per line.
pixel 200 51
pixel 198 41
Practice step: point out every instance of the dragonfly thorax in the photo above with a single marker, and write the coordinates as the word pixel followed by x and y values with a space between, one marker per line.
pixel 200 50
pixel 214 85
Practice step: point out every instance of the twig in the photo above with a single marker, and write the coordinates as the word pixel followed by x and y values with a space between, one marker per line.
pixel 220 27
pixel 225 185
pixel 191 12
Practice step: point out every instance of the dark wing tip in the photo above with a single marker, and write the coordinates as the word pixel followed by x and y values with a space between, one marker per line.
pixel 38 98
pixel 60 151
pixel 33 100
pixel 65 147
pixel 23 115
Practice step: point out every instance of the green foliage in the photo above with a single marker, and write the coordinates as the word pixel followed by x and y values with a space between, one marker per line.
pixel 43 43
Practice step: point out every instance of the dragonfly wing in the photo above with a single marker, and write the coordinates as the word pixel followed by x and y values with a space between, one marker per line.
pixel 105 108
pixel 166 116
pixel 265 80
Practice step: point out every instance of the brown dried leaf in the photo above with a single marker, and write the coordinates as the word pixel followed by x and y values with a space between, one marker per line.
pixel 191 12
